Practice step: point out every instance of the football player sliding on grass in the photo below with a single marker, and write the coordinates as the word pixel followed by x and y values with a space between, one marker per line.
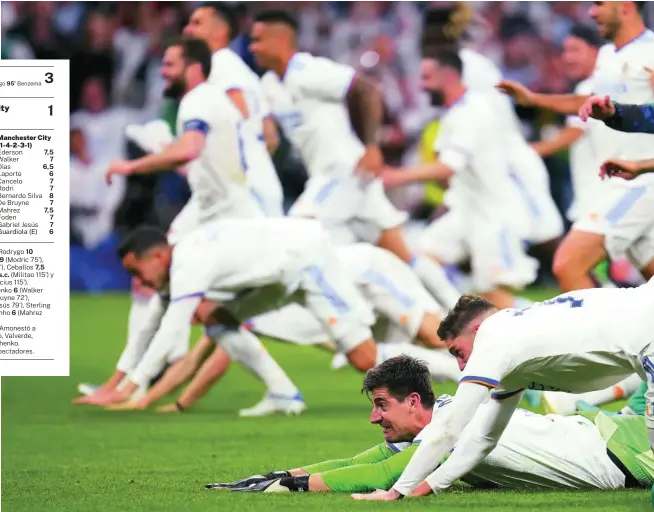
pixel 585 451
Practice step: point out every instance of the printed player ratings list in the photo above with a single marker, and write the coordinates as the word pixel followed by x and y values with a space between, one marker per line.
pixel 34 218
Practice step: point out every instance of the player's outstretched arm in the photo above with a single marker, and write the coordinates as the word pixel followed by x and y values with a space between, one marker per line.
pixel 358 478
pixel 632 118
pixel 625 169
pixel 476 445
pixel 439 437
pixel 175 324
pixel 567 104
pixel 429 171
pixel 373 455
pixel 563 140
pixel 135 348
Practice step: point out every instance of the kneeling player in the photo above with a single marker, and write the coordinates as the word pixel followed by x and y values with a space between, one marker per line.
pixel 406 312
pixel 249 267
pixel 538 452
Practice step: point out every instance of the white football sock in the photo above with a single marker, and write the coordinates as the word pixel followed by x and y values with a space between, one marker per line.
pixel 622 389
pixel 243 346
pixel 442 365
pixel 435 279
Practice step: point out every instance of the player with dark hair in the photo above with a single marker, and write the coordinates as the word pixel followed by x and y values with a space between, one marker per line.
pixel 488 212
pixel 317 102
pixel 445 27
pixel 576 342
pixel 620 221
pixel 572 452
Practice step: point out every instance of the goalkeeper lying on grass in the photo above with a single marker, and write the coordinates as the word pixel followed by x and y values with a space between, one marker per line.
pixel 584 451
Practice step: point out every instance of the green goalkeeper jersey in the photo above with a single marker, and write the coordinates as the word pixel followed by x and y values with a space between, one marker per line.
pixel 535 452
pixel 169 114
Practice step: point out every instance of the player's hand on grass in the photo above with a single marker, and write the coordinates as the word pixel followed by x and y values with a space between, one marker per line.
pixel 168 408
pixel 128 405
pixel 119 167
pixel 111 397
pixel 517 91
pixel 616 168
pixel 379 495
pixel 597 107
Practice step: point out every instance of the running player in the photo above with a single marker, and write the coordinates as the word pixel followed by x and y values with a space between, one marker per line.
pixel 488 216
pixel 309 96
pixel 621 219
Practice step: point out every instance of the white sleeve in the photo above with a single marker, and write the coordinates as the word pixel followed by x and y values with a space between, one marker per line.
pixel 476 443
pixel 137 342
pixel 440 436
pixel 321 78
pixel 193 112
pixel 175 325
pixel 488 363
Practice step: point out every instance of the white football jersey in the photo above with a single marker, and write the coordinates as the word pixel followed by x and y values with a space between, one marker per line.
pixel 621 74
pixel 217 178
pixel 225 257
pixel 482 75
pixel 229 72
pixel 470 143
pixel 580 341
pixel 308 103
pixel 546 452
pixel 584 167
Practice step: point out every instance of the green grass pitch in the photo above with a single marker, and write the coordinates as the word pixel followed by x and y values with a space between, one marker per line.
pixel 56 457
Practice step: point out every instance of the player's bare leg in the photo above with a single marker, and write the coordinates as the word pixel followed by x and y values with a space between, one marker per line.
pixel 648 270
pixel 575 259
pixel 429 271
pixel 180 371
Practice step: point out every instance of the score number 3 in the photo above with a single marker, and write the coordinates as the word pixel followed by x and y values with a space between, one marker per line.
pixel 49 78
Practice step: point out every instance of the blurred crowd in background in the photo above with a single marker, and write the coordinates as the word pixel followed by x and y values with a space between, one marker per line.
pixel 115 50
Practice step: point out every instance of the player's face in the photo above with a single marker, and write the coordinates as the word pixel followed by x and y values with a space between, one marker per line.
pixel 264 45
pixel 151 268
pixel 461 347
pixel 394 417
pixel 578 57
pixel 431 81
pixel 173 70
pixel 607 17
pixel 200 24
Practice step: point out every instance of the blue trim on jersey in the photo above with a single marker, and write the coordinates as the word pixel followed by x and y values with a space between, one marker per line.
pixel 484 381
pixel 325 191
pixel 625 204
pixel 524 192
pixel 413 261
pixel 648 367
pixel 330 294
pixel 393 447
pixel 388 285
pixel 188 296
pixel 258 199
pixel 241 146
pixel 416 441
pixel 505 249
pixel 508 394
pixel 645 31
pixel 196 125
